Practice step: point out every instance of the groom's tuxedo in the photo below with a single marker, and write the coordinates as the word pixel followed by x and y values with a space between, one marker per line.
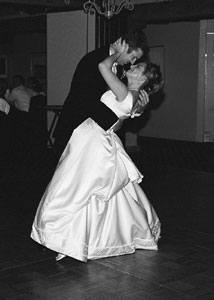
pixel 83 100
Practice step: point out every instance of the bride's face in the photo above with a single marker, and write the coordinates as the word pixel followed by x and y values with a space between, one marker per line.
pixel 136 72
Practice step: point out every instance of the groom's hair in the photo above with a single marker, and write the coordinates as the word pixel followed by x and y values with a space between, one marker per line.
pixel 136 38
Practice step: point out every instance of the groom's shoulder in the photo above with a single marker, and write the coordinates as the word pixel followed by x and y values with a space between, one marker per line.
pixel 98 52
pixel 91 59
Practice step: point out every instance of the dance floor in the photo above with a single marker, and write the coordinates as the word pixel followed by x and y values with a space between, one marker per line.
pixel 182 269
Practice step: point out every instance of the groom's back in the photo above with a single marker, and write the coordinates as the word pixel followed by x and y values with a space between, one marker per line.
pixel 86 89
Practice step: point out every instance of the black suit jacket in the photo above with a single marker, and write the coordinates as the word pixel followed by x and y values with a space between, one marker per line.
pixel 83 100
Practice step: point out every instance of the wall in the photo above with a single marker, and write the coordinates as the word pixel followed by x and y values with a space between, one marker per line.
pixel 175 118
pixel 67 42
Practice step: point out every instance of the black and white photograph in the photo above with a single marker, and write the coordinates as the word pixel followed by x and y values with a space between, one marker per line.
pixel 107 149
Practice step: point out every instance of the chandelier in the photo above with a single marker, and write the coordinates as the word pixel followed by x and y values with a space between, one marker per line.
pixel 107 8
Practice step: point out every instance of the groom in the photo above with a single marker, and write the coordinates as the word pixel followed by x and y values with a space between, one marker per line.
pixel 87 87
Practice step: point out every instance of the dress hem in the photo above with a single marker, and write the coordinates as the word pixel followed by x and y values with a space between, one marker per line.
pixel 83 251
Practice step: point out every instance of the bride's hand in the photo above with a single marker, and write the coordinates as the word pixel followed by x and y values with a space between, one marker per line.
pixel 120 46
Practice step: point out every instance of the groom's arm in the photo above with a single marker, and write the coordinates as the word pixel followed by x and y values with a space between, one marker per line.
pixel 102 115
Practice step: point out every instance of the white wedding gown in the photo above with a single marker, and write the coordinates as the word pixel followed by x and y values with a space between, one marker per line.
pixel 94 207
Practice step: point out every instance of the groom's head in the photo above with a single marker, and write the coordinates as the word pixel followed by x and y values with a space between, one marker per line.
pixel 138 47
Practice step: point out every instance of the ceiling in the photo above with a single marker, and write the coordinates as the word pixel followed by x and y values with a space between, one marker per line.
pixel 149 11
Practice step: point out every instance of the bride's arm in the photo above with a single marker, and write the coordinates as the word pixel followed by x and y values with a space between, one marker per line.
pixel 115 84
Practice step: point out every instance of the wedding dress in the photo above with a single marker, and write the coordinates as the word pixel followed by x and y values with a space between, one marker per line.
pixel 94 206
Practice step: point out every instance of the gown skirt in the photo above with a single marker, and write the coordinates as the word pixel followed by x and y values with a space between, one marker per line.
pixel 94 206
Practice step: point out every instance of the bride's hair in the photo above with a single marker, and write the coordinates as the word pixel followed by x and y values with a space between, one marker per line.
pixel 155 80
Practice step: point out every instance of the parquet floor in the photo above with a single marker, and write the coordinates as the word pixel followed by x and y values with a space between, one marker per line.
pixel 182 269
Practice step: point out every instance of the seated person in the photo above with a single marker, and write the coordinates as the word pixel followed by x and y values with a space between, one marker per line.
pixel 23 134
pixel 20 95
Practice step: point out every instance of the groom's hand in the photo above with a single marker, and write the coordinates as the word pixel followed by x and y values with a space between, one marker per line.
pixel 120 46
pixel 143 99
pixel 141 104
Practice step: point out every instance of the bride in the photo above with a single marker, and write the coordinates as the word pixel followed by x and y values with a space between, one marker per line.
pixel 94 206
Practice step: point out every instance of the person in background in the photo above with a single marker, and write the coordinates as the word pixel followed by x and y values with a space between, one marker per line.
pixel 5 133
pixel 23 133
pixel 20 95
pixel 38 114
pixel 4 106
